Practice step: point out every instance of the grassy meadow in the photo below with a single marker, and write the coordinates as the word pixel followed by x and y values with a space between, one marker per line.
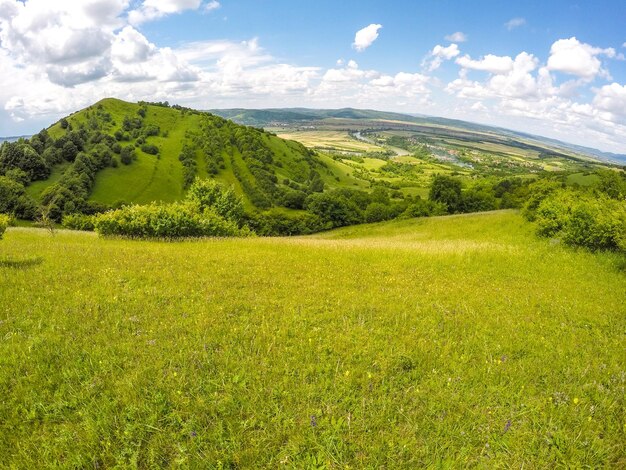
pixel 460 341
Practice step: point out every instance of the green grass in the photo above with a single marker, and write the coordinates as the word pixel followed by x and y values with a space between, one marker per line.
pixel 446 342
pixel 35 189
pixel 583 179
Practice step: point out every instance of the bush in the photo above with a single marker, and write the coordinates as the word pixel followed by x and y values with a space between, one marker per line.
pixel 424 208
pixel 149 148
pixel 178 220
pixel 209 194
pixel 582 219
pixel 334 209
pixel 78 222
pixel 276 222
pixel 5 221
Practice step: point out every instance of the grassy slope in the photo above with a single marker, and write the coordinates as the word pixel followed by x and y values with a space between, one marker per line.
pixel 160 179
pixel 458 340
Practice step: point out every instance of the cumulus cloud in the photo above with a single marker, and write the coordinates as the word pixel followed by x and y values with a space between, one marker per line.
pixel 577 58
pixel 456 37
pixel 154 9
pixel 490 63
pixel 438 55
pixel 59 56
pixel 130 46
pixel 611 98
pixel 515 23
pixel 405 84
pixel 365 37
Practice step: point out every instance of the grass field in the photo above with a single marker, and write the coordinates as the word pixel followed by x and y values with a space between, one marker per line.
pixel 329 140
pixel 445 342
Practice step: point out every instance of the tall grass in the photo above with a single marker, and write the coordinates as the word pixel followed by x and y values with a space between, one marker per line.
pixel 447 342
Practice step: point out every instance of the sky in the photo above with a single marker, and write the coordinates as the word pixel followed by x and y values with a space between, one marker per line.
pixel 554 68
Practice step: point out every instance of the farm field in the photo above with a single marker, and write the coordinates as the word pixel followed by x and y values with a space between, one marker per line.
pixel 337 140
pixel 449 342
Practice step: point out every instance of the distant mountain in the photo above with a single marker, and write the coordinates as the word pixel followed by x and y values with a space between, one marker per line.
pixel 305 116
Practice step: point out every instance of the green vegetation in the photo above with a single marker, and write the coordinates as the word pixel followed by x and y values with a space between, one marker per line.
pixel 209 211
pixel 458 341
pixel 5 221
pixel 374 167
pixel 593 218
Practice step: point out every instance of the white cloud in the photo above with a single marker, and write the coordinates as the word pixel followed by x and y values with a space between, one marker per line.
pixel 611 98
pixel 490 63
pixel 155 9
pixel 60 56
pixel 515 23
pixel 438 55
pixel 130 46
pixel 405 84
pixel 456 37
pixel 365 37
pixel 576 58
pixel 212 5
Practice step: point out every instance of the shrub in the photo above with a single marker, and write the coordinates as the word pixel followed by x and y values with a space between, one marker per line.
pixel 149 148
pixel 582 219
pixel 178 220
pixel 424 208
pixel 223 201
pixel 276 222
pixel 5 221
pixel 334 209
pixel 78 222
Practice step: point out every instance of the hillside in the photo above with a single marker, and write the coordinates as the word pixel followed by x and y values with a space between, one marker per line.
pixel 350 167
pixel 455 342
pixel 116 152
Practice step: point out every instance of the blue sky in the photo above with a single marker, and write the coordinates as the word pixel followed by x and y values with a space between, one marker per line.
pixel 554 68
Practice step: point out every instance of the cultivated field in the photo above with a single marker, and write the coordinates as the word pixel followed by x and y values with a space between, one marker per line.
pixel 447 342
pixel 338 140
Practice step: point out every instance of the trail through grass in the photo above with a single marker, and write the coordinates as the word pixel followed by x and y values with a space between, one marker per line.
pixel 455 341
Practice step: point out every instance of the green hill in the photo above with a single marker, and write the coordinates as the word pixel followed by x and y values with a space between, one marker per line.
pixel 262 167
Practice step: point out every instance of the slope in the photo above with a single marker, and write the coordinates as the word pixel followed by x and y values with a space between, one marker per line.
pixel 120 152
pixel 447 342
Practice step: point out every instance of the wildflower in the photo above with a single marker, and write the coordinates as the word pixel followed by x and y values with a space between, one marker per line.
pixel 507 426
pixel 313 421
pixel 576 400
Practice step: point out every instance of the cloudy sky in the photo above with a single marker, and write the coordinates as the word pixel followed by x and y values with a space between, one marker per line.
pixel 556 68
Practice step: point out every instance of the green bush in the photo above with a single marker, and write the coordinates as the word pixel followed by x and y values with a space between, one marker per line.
pixel 178 220
pixel 208 193
pixel 5 221
pixel 596 222
pixel 149 148
pixel 334 209
pixel 78 222
pixel 276 222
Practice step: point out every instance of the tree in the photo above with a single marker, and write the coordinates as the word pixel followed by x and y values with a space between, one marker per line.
pixel 333 209
pixel 447 190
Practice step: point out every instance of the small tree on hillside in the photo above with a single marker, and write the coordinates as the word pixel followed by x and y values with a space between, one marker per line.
pixel 446 190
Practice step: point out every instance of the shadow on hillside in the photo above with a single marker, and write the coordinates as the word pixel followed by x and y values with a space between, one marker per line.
pixel 21 263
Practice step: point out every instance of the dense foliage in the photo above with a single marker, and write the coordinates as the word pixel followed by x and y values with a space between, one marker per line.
pixel 176 220
pixel 594 218
pixel 210 210
pixel 5 221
